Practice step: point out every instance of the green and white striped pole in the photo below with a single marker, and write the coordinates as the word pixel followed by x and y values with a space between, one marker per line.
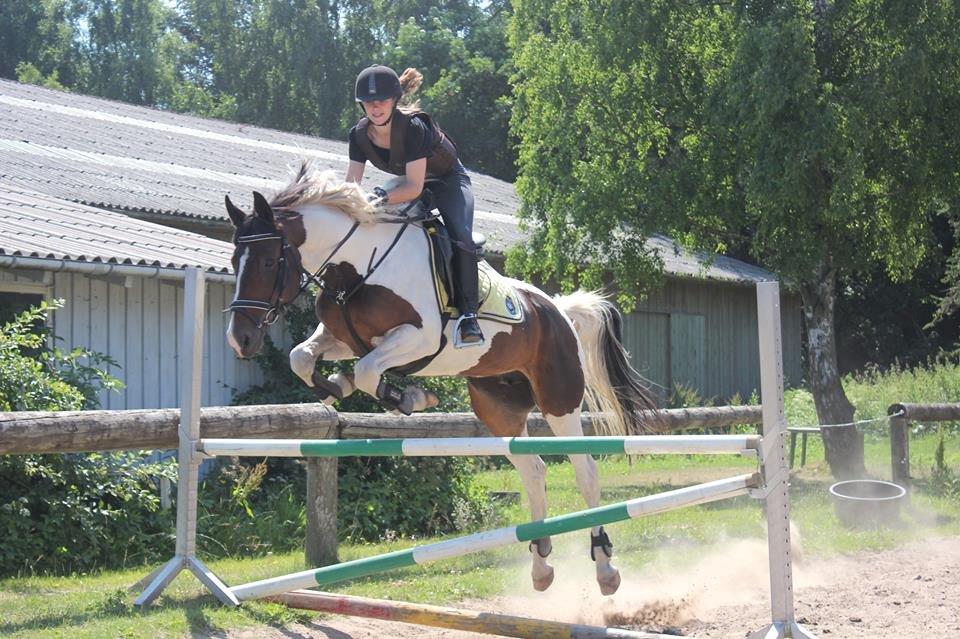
pixel 633 445
pixel 652 504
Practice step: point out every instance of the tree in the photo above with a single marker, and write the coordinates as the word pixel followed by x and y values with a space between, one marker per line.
pixel 820 137
pixel 36 40
pixel 465 64
pixel 120 48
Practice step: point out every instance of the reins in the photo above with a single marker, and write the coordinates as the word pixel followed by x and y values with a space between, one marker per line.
pixel 341 296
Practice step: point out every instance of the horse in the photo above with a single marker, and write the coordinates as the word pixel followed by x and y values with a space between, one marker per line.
pixel 378 304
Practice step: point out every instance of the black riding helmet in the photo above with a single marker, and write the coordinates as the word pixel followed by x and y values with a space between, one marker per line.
pixel 377 82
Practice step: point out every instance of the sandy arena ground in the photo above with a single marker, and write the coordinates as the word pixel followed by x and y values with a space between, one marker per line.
pixel 911 592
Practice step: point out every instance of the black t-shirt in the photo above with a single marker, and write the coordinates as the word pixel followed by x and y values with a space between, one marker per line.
pixel 417 145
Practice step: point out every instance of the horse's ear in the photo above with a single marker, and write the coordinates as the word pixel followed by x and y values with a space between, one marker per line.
pixel 262 207
pixel 236 215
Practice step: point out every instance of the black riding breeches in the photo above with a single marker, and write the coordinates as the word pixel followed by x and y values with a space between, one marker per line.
pixel 454 200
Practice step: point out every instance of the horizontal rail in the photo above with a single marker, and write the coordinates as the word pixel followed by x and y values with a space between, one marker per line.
pixel 100 430
pixel 926 412
pixel 635 445
pixel 469 544
pixel 490 623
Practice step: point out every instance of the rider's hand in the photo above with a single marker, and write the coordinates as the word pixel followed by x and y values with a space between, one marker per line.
pixel 378 195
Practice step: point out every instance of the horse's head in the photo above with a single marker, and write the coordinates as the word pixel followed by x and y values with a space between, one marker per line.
pixel 268 273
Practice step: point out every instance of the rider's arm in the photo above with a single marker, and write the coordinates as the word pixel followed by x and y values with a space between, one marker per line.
pixel 411 186
pixel 355 171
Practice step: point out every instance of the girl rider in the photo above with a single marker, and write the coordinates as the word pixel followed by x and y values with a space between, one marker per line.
pixel 406 142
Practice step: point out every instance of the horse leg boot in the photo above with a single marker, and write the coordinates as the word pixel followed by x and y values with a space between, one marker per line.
pixel 401 345
pixel 585 469
pixel 303 361
pixel 533 477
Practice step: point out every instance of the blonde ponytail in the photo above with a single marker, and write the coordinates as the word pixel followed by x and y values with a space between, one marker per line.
pixel 410 81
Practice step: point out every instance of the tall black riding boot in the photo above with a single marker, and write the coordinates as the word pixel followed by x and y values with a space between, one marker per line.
pixel 467 331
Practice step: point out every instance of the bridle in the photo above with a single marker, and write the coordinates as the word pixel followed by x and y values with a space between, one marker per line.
pixel 274 307
pixel 275 304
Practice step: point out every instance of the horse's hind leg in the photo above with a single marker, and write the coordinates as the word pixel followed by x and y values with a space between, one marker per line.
pixel 588 481
pixel 502 404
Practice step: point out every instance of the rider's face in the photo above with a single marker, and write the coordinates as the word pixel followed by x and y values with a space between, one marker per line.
pixel 378 110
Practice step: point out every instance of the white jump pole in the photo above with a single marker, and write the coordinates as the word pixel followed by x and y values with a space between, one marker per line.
pixel 746 445
pixel 188 461
pixel 775 470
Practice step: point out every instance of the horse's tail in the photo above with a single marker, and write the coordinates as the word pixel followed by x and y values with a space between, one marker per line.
pixel 616 394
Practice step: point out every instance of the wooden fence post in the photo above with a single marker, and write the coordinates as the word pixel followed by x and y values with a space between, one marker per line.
pixel 900 451
pixel 320 546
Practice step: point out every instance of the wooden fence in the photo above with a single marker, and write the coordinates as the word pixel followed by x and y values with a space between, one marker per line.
pixel 902 415
pixel 106 430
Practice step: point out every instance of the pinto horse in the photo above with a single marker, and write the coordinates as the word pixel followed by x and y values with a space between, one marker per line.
pixel 378 304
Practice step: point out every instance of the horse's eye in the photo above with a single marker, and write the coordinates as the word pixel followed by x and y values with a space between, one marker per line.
pixel 269 262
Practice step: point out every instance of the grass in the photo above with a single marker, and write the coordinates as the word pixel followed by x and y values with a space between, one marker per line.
pixel 98 605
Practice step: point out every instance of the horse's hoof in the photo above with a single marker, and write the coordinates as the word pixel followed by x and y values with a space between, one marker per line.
pixel 610 583
pixel 543 582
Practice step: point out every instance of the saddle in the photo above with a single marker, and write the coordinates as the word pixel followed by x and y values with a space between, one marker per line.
pixel 498 298
pixel 499 301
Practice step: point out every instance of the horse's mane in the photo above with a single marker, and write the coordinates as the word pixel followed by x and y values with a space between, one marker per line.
pixel 311 186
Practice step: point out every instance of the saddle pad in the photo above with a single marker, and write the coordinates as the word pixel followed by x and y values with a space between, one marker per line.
pixel 498 298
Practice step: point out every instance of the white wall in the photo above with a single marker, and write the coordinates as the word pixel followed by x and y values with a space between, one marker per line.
pixel 139 323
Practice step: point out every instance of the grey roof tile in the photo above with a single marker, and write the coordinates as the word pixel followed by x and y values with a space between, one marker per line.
pixel 37 225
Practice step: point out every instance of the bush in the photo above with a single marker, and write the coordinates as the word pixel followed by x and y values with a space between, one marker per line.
pixel 76 513
pixel 70 512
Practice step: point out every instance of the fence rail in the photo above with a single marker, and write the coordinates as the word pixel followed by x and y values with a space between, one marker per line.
pixel 103 430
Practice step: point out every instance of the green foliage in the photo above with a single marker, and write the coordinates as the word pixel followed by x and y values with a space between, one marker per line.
pixel 34 375
pixel 69 512
pixel 77 513
pixel 943 480
pixel 245 510
pixel 803 138
pixel 29 74
pixel 385 498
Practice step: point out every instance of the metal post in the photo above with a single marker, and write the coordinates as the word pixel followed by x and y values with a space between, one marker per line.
pixel 775 469
pixel 189 463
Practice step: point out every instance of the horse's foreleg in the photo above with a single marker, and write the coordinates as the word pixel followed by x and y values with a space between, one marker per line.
pixel 401 345
pixel 533 477
pixel 303 362
pixel 588 481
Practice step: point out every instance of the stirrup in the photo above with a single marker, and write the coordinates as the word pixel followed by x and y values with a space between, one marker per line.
pixel 457 341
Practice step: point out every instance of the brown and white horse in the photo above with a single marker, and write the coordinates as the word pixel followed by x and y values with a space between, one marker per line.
pixel 565 350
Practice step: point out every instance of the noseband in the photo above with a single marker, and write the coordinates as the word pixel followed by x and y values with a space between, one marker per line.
pixel 274 306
